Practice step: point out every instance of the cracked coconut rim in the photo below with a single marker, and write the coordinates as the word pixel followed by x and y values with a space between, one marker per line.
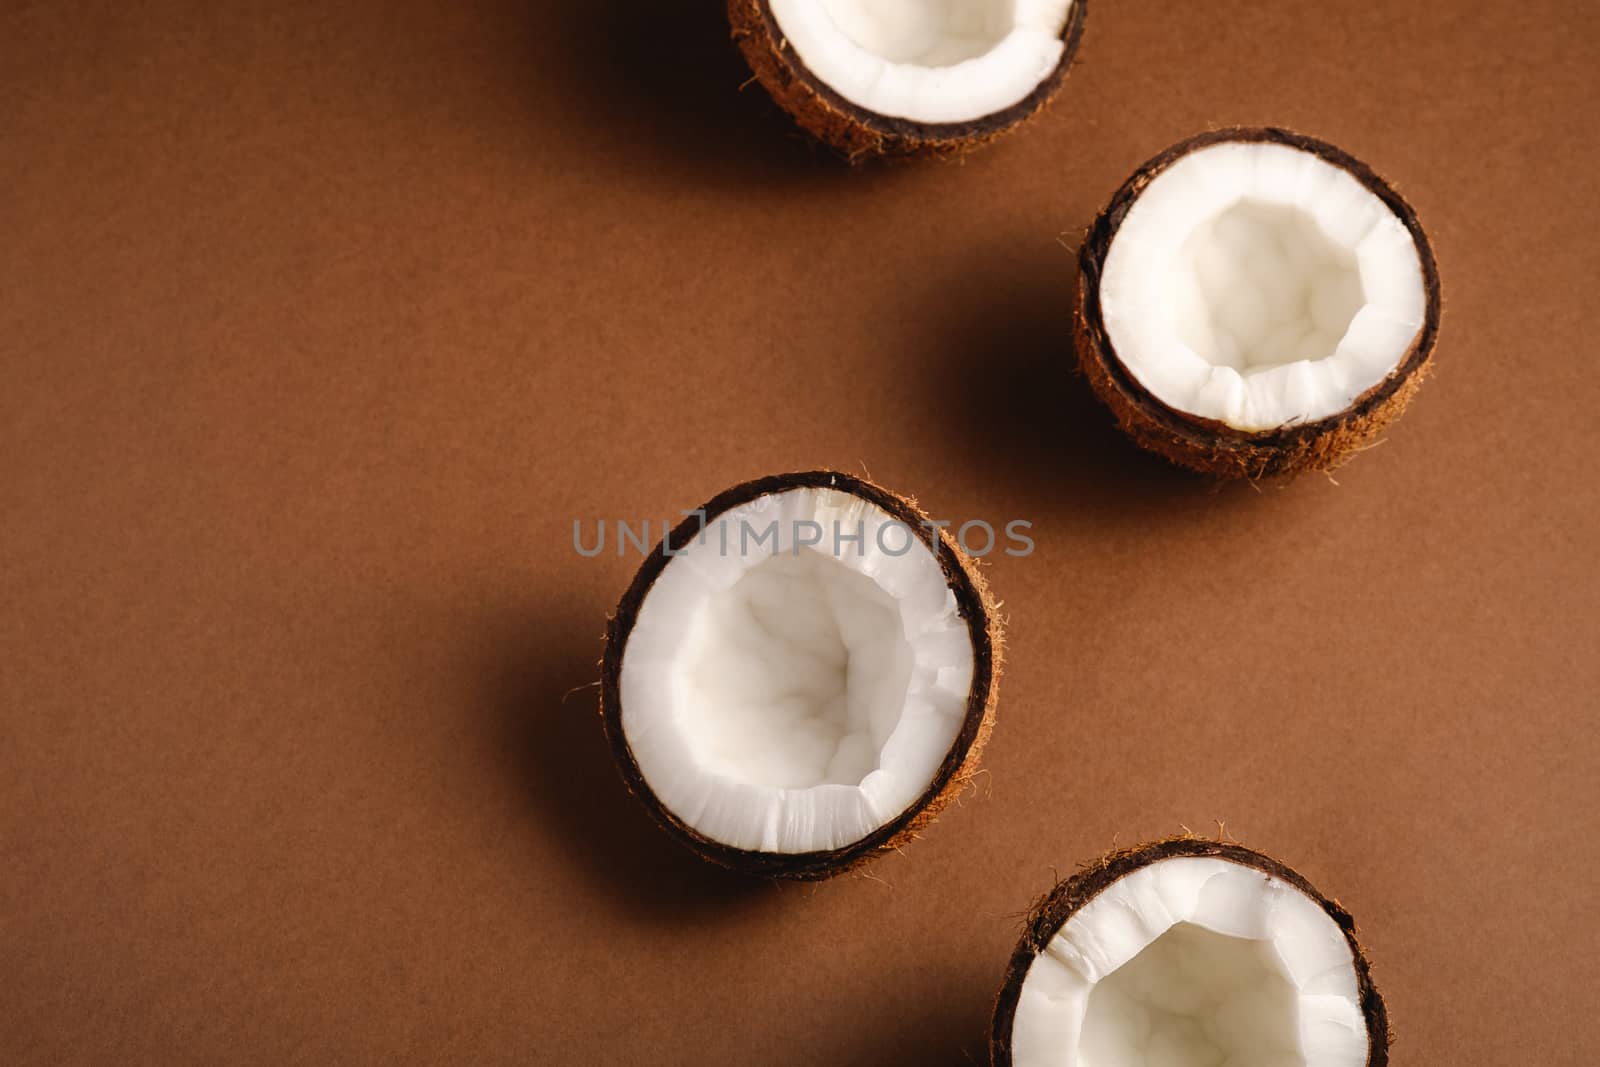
pixel 790 708
pixel 1193 953
pixel 945 61
pixel 908 76
pixel 1255 301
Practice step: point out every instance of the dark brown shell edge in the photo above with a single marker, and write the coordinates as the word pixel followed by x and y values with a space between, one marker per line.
pixel 1058 905
pixel 862 134
pixel 1211 447
pixel 961 762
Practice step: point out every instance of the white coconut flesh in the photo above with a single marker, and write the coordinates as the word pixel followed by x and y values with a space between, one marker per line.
pixel 929 61
pixel 1260 286
pixel 1193 962
pixel 788 697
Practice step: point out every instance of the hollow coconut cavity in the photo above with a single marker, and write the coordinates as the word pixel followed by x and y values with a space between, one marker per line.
pixel 1255 302
pixel 904 77
pixel 804 679
pixel 1189 953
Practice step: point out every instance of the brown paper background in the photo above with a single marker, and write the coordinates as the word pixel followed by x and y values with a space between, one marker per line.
pixel 321 323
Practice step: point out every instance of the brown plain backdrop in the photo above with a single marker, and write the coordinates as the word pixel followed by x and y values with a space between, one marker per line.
pixel 321 323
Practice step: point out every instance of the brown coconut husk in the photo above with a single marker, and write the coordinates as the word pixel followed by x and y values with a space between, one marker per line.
pixel 1212 447
pixel 975 605
pixel 855 131
pixel 1053 910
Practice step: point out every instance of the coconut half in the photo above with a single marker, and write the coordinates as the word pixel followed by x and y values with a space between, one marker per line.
pixel 1255 302
pixel 904 77
pixel 1189 953
pixel 803 680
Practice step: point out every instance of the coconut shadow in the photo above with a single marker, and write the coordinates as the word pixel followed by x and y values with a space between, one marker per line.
pixel 948 1028
pixel 549 718
pixel 670 77
pixel 1004 381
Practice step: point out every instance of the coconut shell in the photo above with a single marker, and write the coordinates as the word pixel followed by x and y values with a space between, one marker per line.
pixel 860 133
pixel 1057 906
pixel 1209 446
pixel 960 763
